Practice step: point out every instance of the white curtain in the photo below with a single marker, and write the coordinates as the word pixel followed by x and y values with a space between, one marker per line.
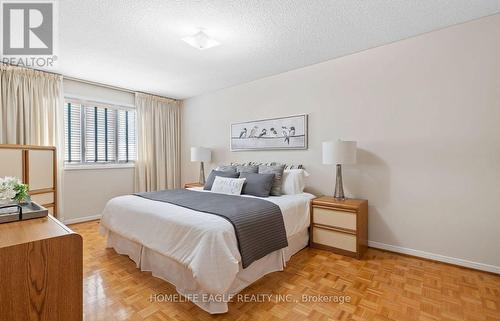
pixel 31 112
pixel 158 143
pixel 30 107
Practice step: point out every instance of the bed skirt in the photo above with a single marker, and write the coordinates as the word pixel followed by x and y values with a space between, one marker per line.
pixel 183 279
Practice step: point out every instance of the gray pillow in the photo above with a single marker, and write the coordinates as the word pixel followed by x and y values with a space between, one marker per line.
pixel 247 169
pixel 257 184
pixel 214 174
pixel 277 170
pixel 226 168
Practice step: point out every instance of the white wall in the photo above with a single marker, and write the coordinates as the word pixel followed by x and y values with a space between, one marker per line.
pixel 86 191
pixel 426 114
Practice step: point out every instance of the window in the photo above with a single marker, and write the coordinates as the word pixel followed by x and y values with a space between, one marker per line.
pixel 98 133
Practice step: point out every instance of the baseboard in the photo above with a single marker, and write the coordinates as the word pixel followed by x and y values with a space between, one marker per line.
pixel 82 219
pixel 436 257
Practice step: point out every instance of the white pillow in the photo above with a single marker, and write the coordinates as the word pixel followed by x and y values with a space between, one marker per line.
pixel 226 185
pixel 293 181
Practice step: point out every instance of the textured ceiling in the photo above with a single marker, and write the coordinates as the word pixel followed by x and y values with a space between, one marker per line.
pixel 137 44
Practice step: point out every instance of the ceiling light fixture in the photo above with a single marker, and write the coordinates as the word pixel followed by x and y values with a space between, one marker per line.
pixel 201 41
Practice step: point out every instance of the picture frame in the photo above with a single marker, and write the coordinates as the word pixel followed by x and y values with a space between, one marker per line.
pixel 280 133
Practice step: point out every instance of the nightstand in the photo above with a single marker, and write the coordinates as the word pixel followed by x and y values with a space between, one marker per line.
pixel 190 185
pixel 339 226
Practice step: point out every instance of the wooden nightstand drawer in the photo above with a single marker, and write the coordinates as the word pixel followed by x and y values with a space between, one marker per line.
pixel 340 226
pixel 191 185
pixel 335 239
pixel 334 218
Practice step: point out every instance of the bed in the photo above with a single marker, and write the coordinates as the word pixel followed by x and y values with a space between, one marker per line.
pixel 198 252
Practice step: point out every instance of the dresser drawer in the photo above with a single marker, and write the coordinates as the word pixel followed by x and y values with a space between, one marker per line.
pixel 334 218
pixel 335 239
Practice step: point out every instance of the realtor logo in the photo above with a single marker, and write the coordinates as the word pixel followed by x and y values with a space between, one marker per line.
pixel 28 28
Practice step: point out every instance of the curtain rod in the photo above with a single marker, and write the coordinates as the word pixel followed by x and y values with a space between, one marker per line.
pixel 99 84
pixel 93 82
pixel 115 87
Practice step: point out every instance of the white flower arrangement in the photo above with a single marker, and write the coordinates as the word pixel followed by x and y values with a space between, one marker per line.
pixel 12 189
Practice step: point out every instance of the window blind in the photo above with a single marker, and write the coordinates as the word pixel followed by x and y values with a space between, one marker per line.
pixel 126 135
pixel 99 134
pixel 73 133
pixel 100 129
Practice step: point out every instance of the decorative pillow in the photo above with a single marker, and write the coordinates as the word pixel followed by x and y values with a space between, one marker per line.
pixel 294 166
pixel 293 181
pixel 287 166
pixel 214 174
pixel 257 184
pixel 247 168
pixel 277 170
pixel 225 185
pixel 226 168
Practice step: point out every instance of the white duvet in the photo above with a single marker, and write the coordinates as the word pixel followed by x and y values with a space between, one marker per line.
pixel 205 243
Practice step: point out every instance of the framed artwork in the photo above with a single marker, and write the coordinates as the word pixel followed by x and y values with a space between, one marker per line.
pixel 270 134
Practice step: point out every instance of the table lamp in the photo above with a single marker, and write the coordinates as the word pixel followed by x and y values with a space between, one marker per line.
pixel 338 153
pixel 201 154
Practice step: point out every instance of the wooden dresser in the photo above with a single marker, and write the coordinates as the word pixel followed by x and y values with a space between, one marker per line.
pixel 339 226
pixel 35 166
pixel 41 271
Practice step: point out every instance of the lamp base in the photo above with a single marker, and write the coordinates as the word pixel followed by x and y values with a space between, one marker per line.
pixel 339 186
pixel 201 180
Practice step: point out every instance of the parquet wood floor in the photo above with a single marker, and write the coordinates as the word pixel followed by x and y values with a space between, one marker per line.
pixel 383 286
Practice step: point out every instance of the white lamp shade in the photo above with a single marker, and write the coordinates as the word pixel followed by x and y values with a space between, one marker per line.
pixel 339 152
pixel 201 154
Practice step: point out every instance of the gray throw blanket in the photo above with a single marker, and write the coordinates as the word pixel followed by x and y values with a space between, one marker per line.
pixel 258 224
